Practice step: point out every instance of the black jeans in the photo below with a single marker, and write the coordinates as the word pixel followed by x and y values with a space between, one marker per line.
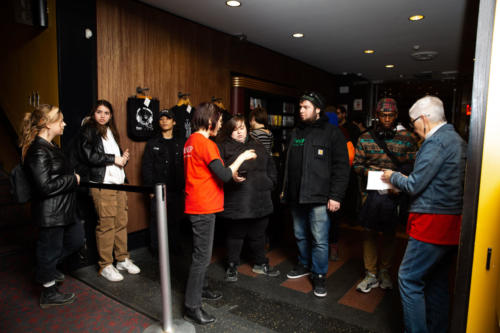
pixel 175 207
pixel 203 226
pixel 252 229
pixel 54 244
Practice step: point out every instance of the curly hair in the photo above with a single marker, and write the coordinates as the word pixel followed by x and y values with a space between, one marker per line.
pixel 34 122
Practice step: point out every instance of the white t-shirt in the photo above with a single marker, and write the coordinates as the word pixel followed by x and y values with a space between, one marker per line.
pixel 114 174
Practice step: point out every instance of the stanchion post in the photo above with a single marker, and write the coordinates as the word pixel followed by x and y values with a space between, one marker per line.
pixel 167 325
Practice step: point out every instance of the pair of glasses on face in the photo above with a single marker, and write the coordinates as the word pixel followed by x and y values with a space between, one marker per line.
pixel 412 122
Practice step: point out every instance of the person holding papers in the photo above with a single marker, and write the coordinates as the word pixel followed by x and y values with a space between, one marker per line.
pixel 436 186
pixel 383 147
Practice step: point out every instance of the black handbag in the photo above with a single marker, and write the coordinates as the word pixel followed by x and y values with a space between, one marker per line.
pixel 20 187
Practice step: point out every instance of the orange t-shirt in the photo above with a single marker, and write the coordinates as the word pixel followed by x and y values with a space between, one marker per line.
pixel 204 192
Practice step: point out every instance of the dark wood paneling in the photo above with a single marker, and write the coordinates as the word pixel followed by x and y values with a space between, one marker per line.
pixel 138 45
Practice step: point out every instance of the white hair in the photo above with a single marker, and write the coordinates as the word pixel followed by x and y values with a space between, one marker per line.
pixel 431 107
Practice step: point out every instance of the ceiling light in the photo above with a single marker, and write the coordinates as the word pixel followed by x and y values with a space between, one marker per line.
pixel 416 17
pixel 389 66
pixel 233 3
pixel 298 35
pixel 369 51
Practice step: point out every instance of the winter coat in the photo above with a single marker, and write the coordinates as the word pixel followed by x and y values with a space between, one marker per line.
pixel 252 197
pixel 325 164
pixel 53 184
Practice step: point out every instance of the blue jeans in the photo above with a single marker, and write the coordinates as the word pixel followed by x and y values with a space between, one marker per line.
pixel 423 285
pixel 311 226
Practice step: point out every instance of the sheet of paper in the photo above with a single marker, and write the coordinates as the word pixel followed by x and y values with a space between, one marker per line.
pixel 375 182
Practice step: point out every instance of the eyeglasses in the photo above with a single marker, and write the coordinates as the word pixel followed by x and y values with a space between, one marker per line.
pixel 412 122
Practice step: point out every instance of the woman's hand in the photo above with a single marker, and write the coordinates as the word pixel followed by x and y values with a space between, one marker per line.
pixel 248 155
pixel 77 179
pixel 121 161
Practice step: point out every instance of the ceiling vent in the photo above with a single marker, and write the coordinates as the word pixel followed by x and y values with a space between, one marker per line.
pixel 427 75
pixel 424 55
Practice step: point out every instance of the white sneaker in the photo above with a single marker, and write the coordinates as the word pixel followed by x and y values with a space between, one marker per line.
pixel 369 282
pixel 111 274
pixel 128 265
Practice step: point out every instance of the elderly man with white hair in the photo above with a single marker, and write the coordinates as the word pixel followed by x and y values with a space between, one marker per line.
pixel 436 190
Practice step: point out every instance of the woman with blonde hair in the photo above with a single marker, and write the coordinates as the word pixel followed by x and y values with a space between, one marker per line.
pixel 53 199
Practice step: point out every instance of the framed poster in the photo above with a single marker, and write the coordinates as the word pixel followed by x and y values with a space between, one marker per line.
pixel 357 104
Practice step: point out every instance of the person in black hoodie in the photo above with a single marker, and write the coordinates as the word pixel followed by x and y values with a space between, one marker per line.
pixel 247 205
pixel 163 162
pixel 315 181
pixel 53 204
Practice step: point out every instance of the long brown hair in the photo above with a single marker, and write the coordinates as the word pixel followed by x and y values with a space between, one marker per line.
pixel 34 122
pixel 103 129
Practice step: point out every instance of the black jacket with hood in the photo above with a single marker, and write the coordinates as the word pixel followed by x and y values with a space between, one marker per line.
pixel 325 163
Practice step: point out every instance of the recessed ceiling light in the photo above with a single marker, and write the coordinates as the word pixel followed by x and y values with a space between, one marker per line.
pixel 298 35
pixel 416 17
pixel 389 66
pixel 233 3
pixel 369 51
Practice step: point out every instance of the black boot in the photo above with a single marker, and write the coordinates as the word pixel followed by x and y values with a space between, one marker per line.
pixel 51 296
pixel 198 316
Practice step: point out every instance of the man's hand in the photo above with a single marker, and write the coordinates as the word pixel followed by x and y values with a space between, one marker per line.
pixel 386 177
pixel 333 205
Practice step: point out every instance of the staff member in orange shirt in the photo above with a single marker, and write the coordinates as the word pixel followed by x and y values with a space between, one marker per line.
pixel 205 173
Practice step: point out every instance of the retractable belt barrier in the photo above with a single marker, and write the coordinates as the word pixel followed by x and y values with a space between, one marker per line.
pixel 160 191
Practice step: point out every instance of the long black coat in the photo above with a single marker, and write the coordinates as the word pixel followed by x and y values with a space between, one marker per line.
pixel 251 198
pixel 53 183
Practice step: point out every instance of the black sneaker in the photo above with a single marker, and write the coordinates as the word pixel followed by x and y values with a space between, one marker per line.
pixel 319 283
pixel 211 295
pixel 266 270
pixel 51 296
pixel 299 271
pixel 59 277
pixel 231 273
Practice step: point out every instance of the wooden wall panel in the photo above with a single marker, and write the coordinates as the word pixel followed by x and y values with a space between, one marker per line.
pixel 138 45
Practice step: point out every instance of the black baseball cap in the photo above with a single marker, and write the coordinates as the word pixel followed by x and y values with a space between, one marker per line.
pixel 166 113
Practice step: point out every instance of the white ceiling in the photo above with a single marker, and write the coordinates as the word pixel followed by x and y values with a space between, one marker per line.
pixel 337 31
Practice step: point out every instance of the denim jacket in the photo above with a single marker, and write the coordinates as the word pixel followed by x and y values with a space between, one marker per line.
pixel 437 181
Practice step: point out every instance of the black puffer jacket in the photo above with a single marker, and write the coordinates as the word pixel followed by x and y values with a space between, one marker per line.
pixel 251 198
pixel 91 154
pixel 53 184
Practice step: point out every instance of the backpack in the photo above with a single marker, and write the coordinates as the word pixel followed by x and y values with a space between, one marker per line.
pixel 20 187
